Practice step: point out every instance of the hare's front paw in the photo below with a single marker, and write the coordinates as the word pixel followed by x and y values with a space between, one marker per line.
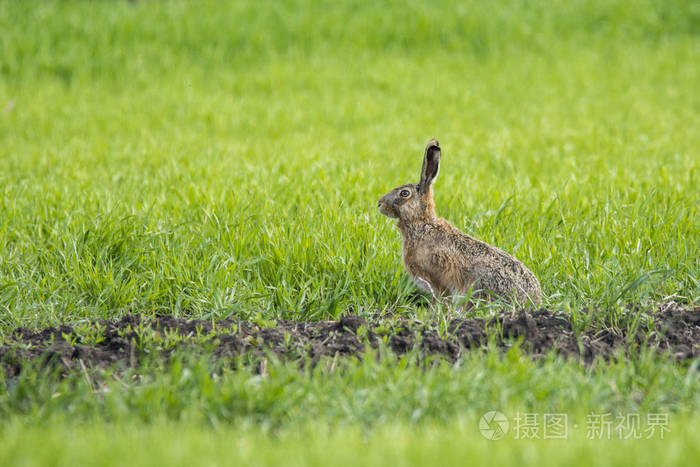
pixel 425 285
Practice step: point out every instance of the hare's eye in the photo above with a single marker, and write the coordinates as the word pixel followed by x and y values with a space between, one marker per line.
pixel 404 193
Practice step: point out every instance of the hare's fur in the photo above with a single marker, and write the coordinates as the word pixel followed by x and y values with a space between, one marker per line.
pixel 444 260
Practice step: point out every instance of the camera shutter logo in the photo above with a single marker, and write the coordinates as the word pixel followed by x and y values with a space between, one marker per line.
pixel 493 425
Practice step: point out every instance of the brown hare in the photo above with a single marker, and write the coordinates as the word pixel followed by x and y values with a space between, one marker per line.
pixel 445 261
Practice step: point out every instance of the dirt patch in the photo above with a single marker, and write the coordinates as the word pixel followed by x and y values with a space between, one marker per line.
pixel 126 342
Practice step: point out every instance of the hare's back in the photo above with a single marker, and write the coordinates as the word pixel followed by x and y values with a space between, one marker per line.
pixel 486 267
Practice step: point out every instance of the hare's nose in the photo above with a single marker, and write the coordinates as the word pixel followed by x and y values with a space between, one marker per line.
pixel 379 203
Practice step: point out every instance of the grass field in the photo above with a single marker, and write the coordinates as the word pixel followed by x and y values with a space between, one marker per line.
pixel 224 159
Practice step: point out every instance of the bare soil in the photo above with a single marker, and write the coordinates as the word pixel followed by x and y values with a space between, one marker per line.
pixel 669 329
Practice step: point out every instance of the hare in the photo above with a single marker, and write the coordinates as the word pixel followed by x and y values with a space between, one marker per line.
pixel 445 261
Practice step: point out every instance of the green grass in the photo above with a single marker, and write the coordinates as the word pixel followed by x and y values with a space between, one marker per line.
pixel 453 444
pixel 348 412
pixel 338 392
pixel 159 179
pixel 209 159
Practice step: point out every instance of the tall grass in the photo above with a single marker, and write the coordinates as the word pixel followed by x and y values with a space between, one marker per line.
pixel 210 159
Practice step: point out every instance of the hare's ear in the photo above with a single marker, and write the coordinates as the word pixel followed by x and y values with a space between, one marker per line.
pixel 431 166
